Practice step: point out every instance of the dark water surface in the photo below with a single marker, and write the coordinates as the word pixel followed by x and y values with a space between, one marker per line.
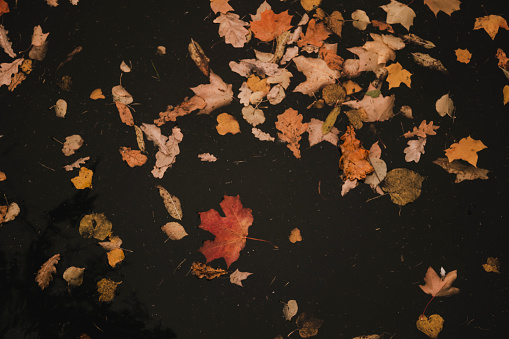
pixel 360 263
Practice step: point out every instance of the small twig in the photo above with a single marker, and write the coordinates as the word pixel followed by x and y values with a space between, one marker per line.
pixel 57 140
pixel 46 167
pixel 381 195
pixel 179 265
pixel 273 280
pixel 289 334
pixel 155 69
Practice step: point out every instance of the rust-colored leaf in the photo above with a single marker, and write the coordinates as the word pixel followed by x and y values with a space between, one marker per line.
pixel 316 33
pixel 125 113
pixel 354 159
pixel 291 127
pixel 44 275
pixel 106 288
pixel 437 286
pixel 184 108
pixel 271 25
pixel 133 157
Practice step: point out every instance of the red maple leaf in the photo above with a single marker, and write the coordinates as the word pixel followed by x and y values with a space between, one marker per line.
pixel 230 231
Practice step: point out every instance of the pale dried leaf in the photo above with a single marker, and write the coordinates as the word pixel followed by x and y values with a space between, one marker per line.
pixel 398 12
pixel 252 115
pixel 316 135
pixel 237 277
pixel 114 243
pixel 216 94
pixel 71 144
pixel 120 94
pixel 61 108
pixel 174 230
pixel 290 309
pixel 414 150
pixel 445 105
pixel 426 60
pixel 232 28
pixel 5 43
pixel 38 37
pixel 348 185
pixel 7 70
pixel 124 67
pixel 171 202
pixel 76 164
pixel 12 212
pixel 207 157
pixel 262 135
pixel 318 75
pixel 360 19
pixel 74 276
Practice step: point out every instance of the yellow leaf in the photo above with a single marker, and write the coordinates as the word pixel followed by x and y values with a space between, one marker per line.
pixel 463 55
pixel 95 225
pixel 203 271
pixel 491 24
pixel 115 256
pixel 26 66
pixel 398 75
pixel 492 265
pixel 84 179
pixel 430 326
pixel 74 276
pixel 227 124
pixel 506 94
pixel 466 150
pixel 106 288
pixel 309 5
pixel 351 87
pixel 97 94
pixel 257 85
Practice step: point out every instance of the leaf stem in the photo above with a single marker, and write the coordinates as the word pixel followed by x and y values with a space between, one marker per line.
pixel 433 297
pixel 263 241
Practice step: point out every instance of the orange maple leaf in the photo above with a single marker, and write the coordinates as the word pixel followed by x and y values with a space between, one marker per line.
pixel 353 159
pixel 271 25
pixel 4 7
pixel 230 230
pixel 491 24
pixel 330 57
pixel 439 287
pixel 315 34
pixel 291 127
pixel 466 149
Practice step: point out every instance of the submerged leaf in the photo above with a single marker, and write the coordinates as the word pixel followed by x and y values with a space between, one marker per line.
pixel 403 185
pixel 95 225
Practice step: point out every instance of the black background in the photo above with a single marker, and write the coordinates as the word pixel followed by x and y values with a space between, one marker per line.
pixel 360 262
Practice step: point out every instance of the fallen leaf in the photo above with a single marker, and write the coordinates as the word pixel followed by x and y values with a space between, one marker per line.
pixel 161 50
pixel 376 109
pixel 445 105
pixel 196 52
pixel 491 24
pixel 203 271
pixel 290 309
pixel 84 179
pixel 5 43
pixel 333 94
pixel 431 326
pixel 226 123
pixel 398 75
pixel 407 112
pixel 360 19
pixel 371 336
pixel 398 13
pixel 412 38
pixel 256 84
pixel 463 172
pixel 232 29
pixel 97 94
pixel 271 25
pixel 52 3
pixel 446 6
pixel 463 55
pixel 74 276
pixel 315 132
pixel 353 161
pixel 423 130
pixel 184 108
pixel 3 177
pixel 26 66
pixel 492 265
pixel 124 67
pixel 276 94
pixel 9 213
pixel 351 87
pixel 237 277
pixel 291 127
pixel 506 94
pixel 318 74
pixel 113 243
pixel 106 289
pixel 466 149
pixel 347 186
pixel 414 150
pixel 65 83
pixel 262 8
pixel 171 202
pixel 174 230
pixel 76 164
pixel 220 6
pixel 95 225
pixel 44 275
pixel 260 135
pixel 119 93
pixel 437 286
pixel 294 237
pixel 253 115
pixel 139 138
pixel 310 5
pixel 61 108
pixel 426 60
pixel 335 22
pixel 331 120
pixel 503 60
pixel 216 94
pixel 246 67
pixel 403 185
pixel 132 157
pixel 168 147
pixel 316 33
pixel 7 70
pixel 4 7
pixel 368 61
pixel 383 26
pixel 115 256
pixel 16 80
pixel 125 113
pixel 207 157
pixel 230 231
pixel 308 325
pixel 379 167
pixel 384 46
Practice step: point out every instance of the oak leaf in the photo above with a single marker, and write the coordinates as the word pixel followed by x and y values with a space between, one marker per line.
pixel 106 288
pixel 353 159
pixel 171 202
pixel 398 75
pixel 462 171
pixel 399 13
pixel 76 164
pixel 330 57
pixel 230 231
pixel 204 271
pixel 84 179
pixel 44 275
pixel 220 6
pixel 16 80
pixel 271 25
pixel 237 277
pixel 232 29
pixel 7 70
pixel 491 24
pixel 466 149
pixel 446 6
pixel 216 94
pixel 133 157
pixel 291 127
pixel 168 147
pixel 316 33
pixel 5 43
pixel 414 150
pixel 437 286
pixel 376 109
pixel 317 72
pixel 423 130
pixel 184 108
pixel 260 135
pixel 207 157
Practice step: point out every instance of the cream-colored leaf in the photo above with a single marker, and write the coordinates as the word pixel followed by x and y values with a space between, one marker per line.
pixel 171 202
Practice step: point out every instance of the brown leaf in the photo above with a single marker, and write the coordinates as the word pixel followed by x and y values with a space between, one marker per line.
pixel 125 113
pixel 271 25
pixel 316 33
pixel 97 94
pixel 3 177
pixel 226 123
pixel 308 325
pixel 403 185
pixel 291 127
pixel 203 271
pixel 423 130
pixel 462 171
pixel 174 230
pixel 383 26
pixel 198 56
pixel 317 72
pixel 354 158
pixel 439 287
pixel 115 256
pixel 503 60
pixel 171 202
pixel 330 57
pixel 106 289
pixel 431 326
pixel 44 275
pixel 95 225
pixel 335 22
pixel 492 265
pixel 184 108
pixel 74 276
pixel 237 277
pixel 114 243
pixel 133 157
pixel 16 80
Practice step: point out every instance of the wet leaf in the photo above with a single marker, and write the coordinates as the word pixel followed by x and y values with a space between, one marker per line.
pixel 466 149
pixel 431 326
pixel 492 265
pixel 437 286
pixel 463 55
pixel 353 161
pixel 115 256
pixel 290 309
pixel 171 202
pixel 462 171
pixel 71 144
pixel 271 25
pixel 199 57
pixel 125 113
pixel 308 325
pixel 97 94
pixel 61 108
pixel 74 276
pixel 226 123
pixel 446 6
pixel 203 271
pixel 331 120
pixel 291 127
pixel 84 179
pixel 95 225
pixel 333 94
pixel 133 157
pixel 106 289
pixel 44 275
pixel 403 185
pixel 237 277
pixel 491 24
pixel 174 230
pixel 445 105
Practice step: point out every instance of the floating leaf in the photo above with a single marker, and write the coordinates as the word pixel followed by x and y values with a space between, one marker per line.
pixel 97 94
pixel 95 225
pixel 199 57
pixel 291 127
pixel 290 309
pixel 171 202
pixel 403 185
pixel 44 275
pixel 84 179
pixel 115 256
pixel 295 236
pixel 71 144
pixel 462 171
pixel 174 230
pixel 133 157
pixel 308 325
pixel 237 277
pixel 74 276
pixel 466 149
pixel 203 271
pixel 430 326
pixel 492 265
pixel 106 289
